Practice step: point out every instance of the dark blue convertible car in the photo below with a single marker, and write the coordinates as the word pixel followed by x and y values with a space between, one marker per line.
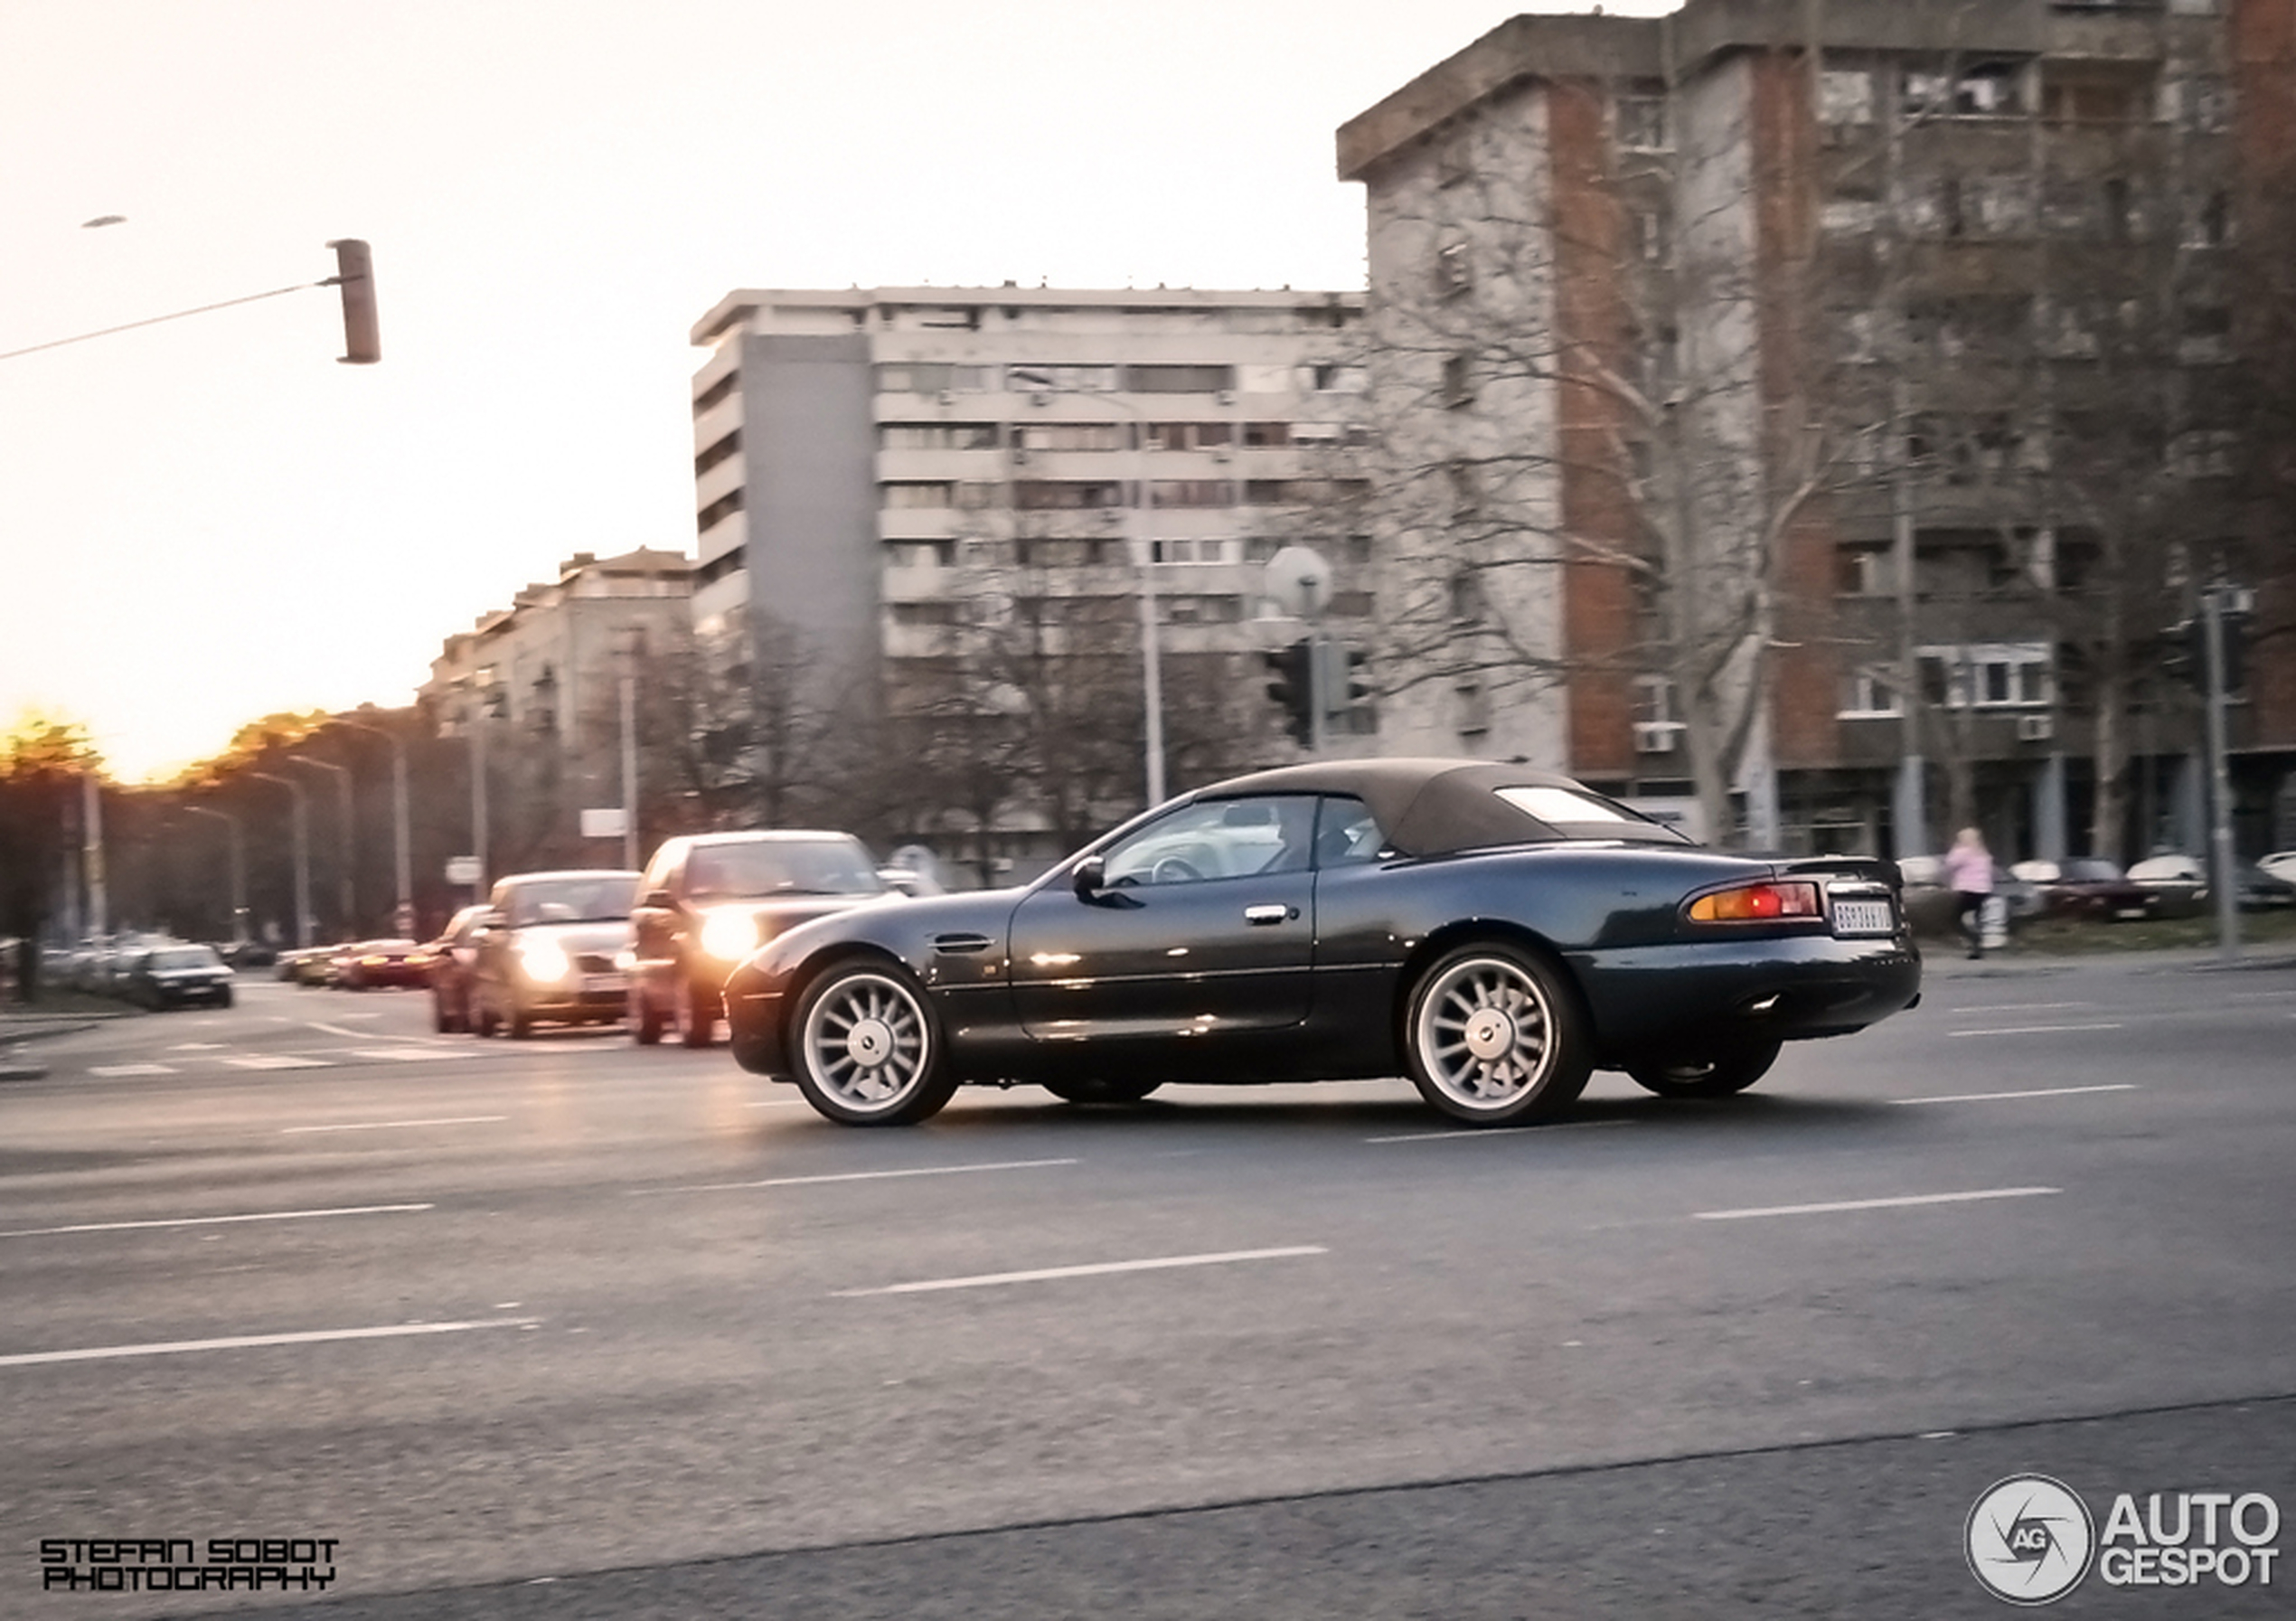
pixel 1492 932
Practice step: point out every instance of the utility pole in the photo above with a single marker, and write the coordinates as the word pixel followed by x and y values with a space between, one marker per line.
pixel 302 831
pixel 2220 850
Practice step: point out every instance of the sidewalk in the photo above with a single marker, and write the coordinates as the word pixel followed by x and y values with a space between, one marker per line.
pixel 19 1024
pixel 1944 960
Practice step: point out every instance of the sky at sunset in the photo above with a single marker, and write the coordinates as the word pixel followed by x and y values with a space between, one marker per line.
pixel 209 519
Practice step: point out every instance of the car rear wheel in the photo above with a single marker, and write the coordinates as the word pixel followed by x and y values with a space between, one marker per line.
pixel 867 1050
pixel 1724 1069
pixel 520 1023
pixel 697 1020
pixel 481 1018
pixel 1494 1037
pixel 645 1019
pixel 1100 1090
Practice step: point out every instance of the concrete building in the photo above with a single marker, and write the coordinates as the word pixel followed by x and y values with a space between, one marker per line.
pixel 543 676
pixel 934 501
pixel 1855 394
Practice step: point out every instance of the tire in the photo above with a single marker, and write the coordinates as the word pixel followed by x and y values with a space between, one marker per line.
pixel 1494 1036
pixel 227 997
pixel 697 1020
pixel 1726 1068
pixel 444 1019
pixel 1099 1091
pixel 645 1019
pixel 867 1047
pixel 521 1024
pixel 483 1023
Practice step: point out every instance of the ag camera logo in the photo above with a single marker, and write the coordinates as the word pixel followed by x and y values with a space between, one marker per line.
pixel 2029 1540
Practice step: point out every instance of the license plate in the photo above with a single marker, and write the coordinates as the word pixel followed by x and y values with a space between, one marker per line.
pixel 598 984
pixel 2129 911
pixel 1863 916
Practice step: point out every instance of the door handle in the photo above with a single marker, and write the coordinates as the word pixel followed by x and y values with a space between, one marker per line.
pixel 1268 914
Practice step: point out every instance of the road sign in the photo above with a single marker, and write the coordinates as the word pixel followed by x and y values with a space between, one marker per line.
pixel 462 869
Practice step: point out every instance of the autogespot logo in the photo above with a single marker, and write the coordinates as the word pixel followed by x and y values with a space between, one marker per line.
pixel 2029 1540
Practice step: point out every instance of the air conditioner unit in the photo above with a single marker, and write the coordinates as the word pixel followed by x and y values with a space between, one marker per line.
pixel 1655 737
pixel 1223 453
pixel 1226 396
pixel 948 396
pixel 2035 729
pixel 1020 454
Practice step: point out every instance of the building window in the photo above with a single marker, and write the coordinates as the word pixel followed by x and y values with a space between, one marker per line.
pixel 1868 696
pixel 934 377
pixel 1063 380
pixel 1845 96
pixel 1993 675
pixel 717 393
pixel 1178 380
pixel 1640 121
pixel 722 450
pixel 1866 572
pixel 1046 495
pixel 1458 381
pixel 1068 436
pixel 938 435
pixel 1330 378
pixel 1188 436
pixel 1989 91
pixel 1471 707
pixel 1452 276
pixel 718 567
pixel 930 492
pixel 1191 492
pixel 718 511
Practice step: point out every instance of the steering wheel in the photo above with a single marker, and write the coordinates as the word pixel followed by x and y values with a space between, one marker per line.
pixel 1172 869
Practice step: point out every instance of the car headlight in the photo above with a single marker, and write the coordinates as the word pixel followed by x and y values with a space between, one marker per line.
pixel 729 935
pixel 543 962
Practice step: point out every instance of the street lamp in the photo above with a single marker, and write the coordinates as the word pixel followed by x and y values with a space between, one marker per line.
pixel 402 876
pixel 301 826
pixel 239 868
pixel 1144 550
pixel 347 851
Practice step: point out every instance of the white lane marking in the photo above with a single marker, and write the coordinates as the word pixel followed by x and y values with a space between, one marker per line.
pixel 1869 1204
pixel 2119 1086
pixel 245 1342
pixel 111 1069
pixel 2025 1007
pixel 196 1047
pixel 803 1182
pixel 347 1210
pixel 337 1030
pixel 289 1131
pixel 275 1060
pixel 2031 1030
pixel 781 1103
pixel 1494 1131
pixel 402 1055
pixel 991 1279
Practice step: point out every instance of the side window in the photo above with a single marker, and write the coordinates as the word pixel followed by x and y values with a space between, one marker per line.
pixel 1216 839
pixel 1346 833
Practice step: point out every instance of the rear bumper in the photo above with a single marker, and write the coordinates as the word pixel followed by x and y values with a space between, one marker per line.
pixel 1792 989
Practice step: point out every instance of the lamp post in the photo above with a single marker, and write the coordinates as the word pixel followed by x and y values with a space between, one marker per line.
pixel 402 873
pixel 238 846
pixel 626 655
pixel 301 827
pixel 347 851
pixel 1144 550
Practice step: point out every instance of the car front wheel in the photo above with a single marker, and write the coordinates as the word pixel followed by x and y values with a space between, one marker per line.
pixel 697 1019
pixel 1718 1071
pixel 1495 1037
pixel 868 1051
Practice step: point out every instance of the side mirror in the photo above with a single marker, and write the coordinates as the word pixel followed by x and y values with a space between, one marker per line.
pixel 1091 876
pixel 494 920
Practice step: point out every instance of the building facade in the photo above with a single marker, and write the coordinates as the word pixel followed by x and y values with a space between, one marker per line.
pixel 940 513
pixel 1842 407
pixel 542 678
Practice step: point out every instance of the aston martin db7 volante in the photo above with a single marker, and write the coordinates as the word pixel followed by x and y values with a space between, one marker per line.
pixel 1494 932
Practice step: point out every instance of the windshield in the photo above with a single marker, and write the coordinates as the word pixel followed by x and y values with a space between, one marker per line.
pixel 186 956
pixel 602 898
pixel 2092 870
pixel 781 867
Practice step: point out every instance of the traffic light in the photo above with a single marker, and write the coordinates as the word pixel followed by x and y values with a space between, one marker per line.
pixel 1347 687
pixel 354 274
pixel 1290 685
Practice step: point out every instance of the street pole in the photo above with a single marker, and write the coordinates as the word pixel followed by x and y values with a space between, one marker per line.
pixel 302 831
pixel 92 804
pixel 629 763
pixel 2227 881
pixel 238 848
pixel 402 871
pixel 347 851
pixel 478 794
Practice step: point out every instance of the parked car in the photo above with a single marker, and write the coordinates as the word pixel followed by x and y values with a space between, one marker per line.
pixel 550 949
pixel 178 975
pixel 372 963
pixel 1933 909
pixel 2261 889
pixel 2089 886
pixel 2280 864
pixel 453 956
pixel 2179 885
pixel 710 899
pixel 1493 931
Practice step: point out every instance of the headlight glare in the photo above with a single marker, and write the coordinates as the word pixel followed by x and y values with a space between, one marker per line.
pixel 543 962
pixel 729 935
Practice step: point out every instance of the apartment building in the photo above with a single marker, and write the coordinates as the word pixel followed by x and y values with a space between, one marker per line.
pixel 1844 402
pixel 542 677
pixel 942 506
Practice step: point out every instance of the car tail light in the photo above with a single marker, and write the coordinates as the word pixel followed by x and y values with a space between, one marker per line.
pixel 1757 904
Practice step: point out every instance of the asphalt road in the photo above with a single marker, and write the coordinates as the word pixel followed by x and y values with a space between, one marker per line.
pixel 567 1327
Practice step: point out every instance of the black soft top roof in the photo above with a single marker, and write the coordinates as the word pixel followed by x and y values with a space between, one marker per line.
pixel 1435 806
